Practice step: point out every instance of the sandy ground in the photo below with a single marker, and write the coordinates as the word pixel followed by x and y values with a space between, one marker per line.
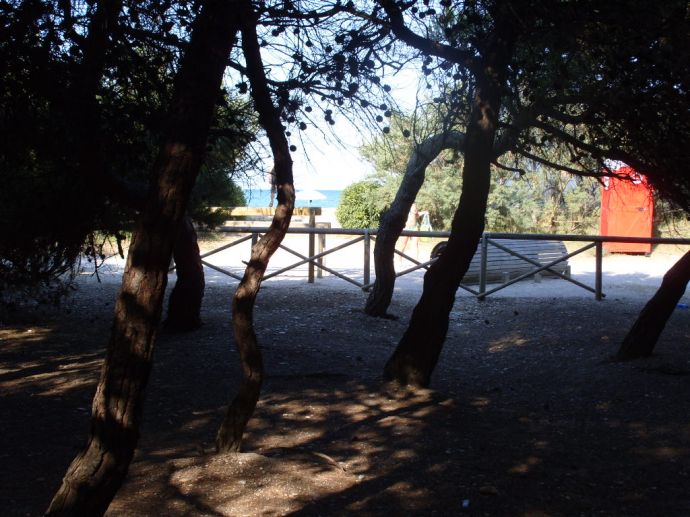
pixel 526 415
pixel 623 276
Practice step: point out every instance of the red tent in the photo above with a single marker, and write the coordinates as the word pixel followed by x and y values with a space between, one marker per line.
pixel 627 209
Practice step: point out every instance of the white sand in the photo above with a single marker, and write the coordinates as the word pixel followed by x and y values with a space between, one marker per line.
pixel 624 276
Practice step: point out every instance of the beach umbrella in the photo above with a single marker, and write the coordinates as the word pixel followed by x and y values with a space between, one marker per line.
pixel 310 195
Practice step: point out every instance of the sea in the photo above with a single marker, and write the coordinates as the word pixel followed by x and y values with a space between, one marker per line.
pixel 257 198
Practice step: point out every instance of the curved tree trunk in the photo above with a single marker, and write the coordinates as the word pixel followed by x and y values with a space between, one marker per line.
pixel 229 437
pixel 393 220
pixel 646 330
pixel 184 305
pixel 418 351
pixel 97 472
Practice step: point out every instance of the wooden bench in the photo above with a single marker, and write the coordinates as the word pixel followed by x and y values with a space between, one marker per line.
pixel 262 216
pixel 502 266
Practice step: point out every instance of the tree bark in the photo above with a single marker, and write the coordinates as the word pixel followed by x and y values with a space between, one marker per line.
pixel 97 472
pixel 393 220
pixel 184 305
pixel 418 351
pixel 642 337
pixel 229 437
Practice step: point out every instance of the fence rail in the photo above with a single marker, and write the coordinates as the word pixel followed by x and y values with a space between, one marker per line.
pixel 315 256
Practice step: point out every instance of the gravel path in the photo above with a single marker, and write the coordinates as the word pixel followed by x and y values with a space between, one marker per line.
pixel 526 415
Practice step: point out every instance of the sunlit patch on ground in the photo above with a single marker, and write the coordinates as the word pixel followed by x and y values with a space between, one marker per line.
pixel 507 342
pixel 524 416
pixel 525 466
pixel 48 368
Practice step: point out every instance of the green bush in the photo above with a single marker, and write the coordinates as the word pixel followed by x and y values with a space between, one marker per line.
pixel 359 206
pixel 214 188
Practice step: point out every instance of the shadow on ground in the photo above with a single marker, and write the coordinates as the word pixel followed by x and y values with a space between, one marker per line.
pixel 526 415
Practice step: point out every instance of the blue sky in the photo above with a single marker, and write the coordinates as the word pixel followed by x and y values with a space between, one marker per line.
pixel 320 163
pixel 323 165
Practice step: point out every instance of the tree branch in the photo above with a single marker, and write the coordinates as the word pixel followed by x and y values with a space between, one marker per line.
pixel 427 46
pixel 558 166
pixel 569 139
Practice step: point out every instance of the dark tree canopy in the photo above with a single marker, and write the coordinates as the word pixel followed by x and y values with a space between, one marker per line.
pixel 80 121
pixel 99 98
pixel 554 72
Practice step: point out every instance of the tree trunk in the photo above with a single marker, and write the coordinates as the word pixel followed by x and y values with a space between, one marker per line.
pixel 418 351
pixel 184 305
pixel 646 330
pixel 393 220
pixel 97 472
pixel 81 109
pixel 229 437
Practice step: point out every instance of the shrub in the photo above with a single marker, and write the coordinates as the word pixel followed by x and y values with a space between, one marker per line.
pixel 359 206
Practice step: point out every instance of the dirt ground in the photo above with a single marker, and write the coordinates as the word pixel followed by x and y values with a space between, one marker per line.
pixel 526 415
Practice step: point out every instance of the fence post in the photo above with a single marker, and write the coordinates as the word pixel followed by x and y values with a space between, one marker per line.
pixel 255 239
pixel 484 243
pixel 312 224
pixel 321 246
pixel 367 257
pixel 597 273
